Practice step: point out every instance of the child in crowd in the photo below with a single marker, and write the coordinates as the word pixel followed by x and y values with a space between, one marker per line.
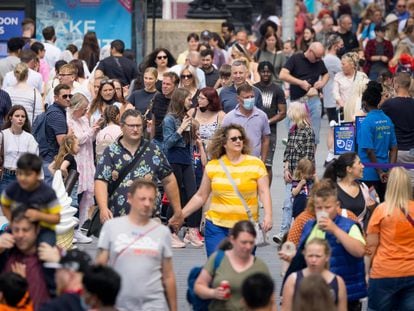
pixel 14 295
pixel 302 182
pixel 30 190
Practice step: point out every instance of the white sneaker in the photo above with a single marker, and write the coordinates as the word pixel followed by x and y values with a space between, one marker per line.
pixel 81 238
pixel 176 242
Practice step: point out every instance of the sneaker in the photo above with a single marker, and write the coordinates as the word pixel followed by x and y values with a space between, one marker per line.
pixel 81 238
pixel 86 225
pixel 192 237
pixel 200 236
pixel 278 238
pixel 284 141
pixel 176 242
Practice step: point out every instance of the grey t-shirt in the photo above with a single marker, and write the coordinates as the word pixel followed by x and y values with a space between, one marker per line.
pixel 139 263
pixel 333 64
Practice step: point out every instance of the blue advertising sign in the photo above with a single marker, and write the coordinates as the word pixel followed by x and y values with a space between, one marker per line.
pixel 344 138
pixel 358 121
pixel 10 24
pixel 72 19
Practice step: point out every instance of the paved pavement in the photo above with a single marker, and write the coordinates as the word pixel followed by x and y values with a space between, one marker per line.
pixel 185 259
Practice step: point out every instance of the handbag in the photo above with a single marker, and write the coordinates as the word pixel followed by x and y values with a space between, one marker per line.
pixel 95 224
pixel 261 236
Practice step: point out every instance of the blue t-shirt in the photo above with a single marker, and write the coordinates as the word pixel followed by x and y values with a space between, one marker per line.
pixel 55 125
pixel 377 133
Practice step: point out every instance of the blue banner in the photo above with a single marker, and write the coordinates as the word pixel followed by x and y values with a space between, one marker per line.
pixel 344 138
pixel 72 19
pixel 11 24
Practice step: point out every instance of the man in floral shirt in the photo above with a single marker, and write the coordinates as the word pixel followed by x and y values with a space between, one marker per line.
pixel 152 165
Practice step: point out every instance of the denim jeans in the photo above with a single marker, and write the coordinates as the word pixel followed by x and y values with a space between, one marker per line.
pixel 48 177
pixel 315 109
pixel 6 181
pixel 287 209
pixel 213 235
pixel 391 294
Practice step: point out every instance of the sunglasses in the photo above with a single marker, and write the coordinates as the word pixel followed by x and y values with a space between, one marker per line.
pixel 186 76
pixel 162 57
pixel 236 138
pixel 67 96
pixel 110 81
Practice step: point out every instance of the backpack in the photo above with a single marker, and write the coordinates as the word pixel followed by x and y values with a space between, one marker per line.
pixel 39 133
pixel 197 303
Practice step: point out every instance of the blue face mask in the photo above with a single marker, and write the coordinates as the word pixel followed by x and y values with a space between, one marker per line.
pixel 248 103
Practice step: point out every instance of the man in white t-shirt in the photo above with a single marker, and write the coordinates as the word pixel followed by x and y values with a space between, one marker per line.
pixel 52 51
pixel 136 238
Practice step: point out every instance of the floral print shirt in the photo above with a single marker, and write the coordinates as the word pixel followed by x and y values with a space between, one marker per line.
pixel 153 165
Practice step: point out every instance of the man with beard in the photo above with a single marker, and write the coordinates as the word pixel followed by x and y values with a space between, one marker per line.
pixel 211 73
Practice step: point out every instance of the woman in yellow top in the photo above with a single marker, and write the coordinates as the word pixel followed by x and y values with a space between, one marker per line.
pixel 231 145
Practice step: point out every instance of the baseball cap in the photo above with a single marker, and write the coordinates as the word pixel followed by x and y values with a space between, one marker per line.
pixel 74 260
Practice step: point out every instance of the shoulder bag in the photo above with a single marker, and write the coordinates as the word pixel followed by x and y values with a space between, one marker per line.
pixel 261 236
pixel 95 224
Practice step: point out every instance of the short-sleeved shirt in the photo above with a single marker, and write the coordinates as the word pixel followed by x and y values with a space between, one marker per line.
pixel 152 165
pixel 72 162
pixel 55 125
pixel 138 261
pixel 333 64
pixel 395 252
pixel 211 77
pixel 226 272
pixel 401 112
pixel 42 198
pixel 355 204
pixel 119 67
pixel 301 68
pixel 141 99
pixel 256 126
pixel 228 97
pixel 272 96
pixel 376 133
pixel 226 208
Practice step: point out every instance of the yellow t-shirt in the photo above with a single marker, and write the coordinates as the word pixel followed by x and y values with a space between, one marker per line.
pixel 226 208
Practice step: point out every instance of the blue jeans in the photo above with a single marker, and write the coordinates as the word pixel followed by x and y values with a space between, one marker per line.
pixel 391 294
pixel 287 209
pixel 315 110
pixel 48 177
pixel 6 181
pixel 213 236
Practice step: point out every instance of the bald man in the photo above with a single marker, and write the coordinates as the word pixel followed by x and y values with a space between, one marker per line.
pixel 307 75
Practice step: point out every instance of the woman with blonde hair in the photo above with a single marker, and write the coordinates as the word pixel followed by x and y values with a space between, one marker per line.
pixel 189 81
pixel 300 144
pixel 402 49
pixel 229 150
pixel 349 84
pixel 79 123
pixel 141 99
pixel 317 254
pixel 25 95
pixel 390 241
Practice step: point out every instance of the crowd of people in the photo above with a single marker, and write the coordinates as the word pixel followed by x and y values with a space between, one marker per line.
pixel 179 150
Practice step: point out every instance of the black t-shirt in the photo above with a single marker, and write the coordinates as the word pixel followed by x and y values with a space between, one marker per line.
pixel 350 42
pixel 272 96
pixel 72 162
pixel 141 99
pixel 121 68
pixel 159 110
pixel 301 68
pixel 401 112
pixel 211 77
pixel 355 205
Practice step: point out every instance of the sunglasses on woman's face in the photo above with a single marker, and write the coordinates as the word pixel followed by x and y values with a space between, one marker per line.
pixel 186 76
pixel 236 138
pixel 162 57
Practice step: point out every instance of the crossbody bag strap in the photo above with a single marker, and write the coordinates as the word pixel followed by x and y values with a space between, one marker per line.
pixel 133 241
pixel 232 182
pixel 127 169
pixel 34 104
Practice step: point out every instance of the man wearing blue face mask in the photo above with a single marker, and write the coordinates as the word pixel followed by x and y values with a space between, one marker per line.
pixel 252 119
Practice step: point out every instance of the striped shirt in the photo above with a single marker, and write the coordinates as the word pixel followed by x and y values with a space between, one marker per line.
pixel 226 208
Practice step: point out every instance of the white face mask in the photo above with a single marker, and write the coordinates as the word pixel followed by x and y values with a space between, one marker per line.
pixel 248 103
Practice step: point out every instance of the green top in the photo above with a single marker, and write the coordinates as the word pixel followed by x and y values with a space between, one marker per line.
pixel 225 272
